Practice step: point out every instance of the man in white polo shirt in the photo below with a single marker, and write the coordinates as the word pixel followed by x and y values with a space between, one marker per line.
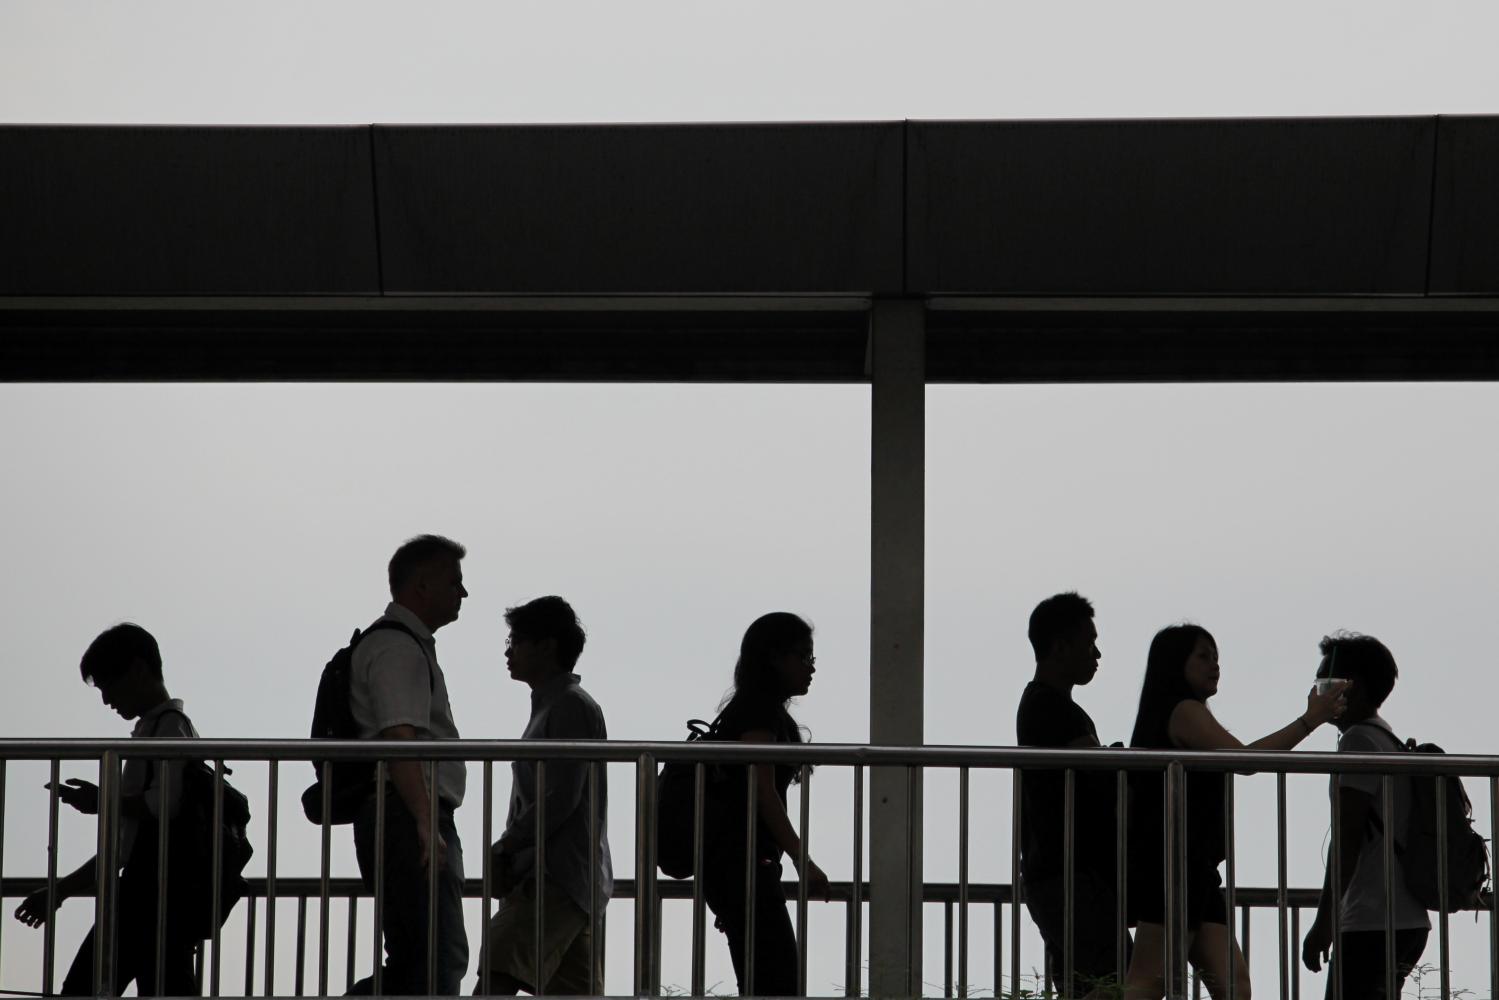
pixel 397 692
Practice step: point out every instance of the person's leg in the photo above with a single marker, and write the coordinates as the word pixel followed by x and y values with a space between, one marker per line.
pixel 79 982
pixel 1409 945
pixel 1096 966
pixel 1043 900
pixel 724 895
pixel 1146 979
pixel 452 938
pixel 776 956
pixel 1209 952
pixel 403 916
pixel 1359 957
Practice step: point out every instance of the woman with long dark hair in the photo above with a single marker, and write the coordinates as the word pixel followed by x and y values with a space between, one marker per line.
pixel 775 665
pixel 1181 674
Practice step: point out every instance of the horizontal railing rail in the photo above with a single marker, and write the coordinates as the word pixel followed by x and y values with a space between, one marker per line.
pixel 646 894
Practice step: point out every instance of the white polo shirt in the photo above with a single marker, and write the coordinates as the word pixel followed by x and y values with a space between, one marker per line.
pixel 139 778
pixel 396 681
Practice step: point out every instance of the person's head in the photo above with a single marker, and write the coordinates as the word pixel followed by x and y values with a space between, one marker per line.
pixel 1064 637
pixel 546 639
pixel 1367 662
pixel 1182 663
pixel 427 580
pixel 124 663
pixel 775 662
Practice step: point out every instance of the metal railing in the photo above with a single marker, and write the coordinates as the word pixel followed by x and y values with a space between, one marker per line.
pixel 647 893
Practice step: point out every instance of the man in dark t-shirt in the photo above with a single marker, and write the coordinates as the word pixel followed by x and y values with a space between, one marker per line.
pixel 1064 638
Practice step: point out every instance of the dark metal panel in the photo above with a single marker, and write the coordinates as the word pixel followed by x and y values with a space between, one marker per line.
pixel 1170 207
pixel 1465 225
pixel 186 211
pixel 652 208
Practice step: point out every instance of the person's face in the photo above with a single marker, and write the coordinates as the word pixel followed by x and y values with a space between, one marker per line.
pixel 796 668
pixel 1201 669
pixel 530 661
pixel 1079 653
pixel 443 593
pixel 126 693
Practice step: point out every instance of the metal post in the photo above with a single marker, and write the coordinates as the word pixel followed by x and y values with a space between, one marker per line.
pixel 104 951
pixel 1335 862
pixel 163 861
pixel 645 871
pixel 1295 942
pixel 751 821
pixel 538 988
pixel 595 902
pixel 217 874
pixel 325 874
pixel 2 846
pixel 999 946
pixel 962 883
pixel 1121 876
pixel 49 929
pixel 249 947
pixel 270 880
pixel 353 943
pixel 299 985
pixel 1387 803
pixel 1493 891
pixel 1283 925
pixel 805 801
pixel 1442 943
pixel 897 333
pixel 1228 844
pixel 699 918
pixel 947 936
pixel 1171 778
pixel 378 916
pixel 855 973
pixel 433 833
pixel 1016 883
pixel 486 877
pixel 1069 876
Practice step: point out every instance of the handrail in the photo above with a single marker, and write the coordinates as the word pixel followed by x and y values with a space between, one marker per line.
pixel 629 752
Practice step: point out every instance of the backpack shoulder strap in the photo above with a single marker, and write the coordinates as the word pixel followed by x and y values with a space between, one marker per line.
pixel 390 624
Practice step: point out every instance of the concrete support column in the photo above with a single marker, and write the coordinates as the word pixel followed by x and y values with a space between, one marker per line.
pixel 897 349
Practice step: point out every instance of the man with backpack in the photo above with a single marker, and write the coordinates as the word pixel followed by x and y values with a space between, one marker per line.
pixel 397 692
pixel 1360 951
pixel 124 663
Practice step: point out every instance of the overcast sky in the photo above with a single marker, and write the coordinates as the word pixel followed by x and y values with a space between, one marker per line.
pixel 248 526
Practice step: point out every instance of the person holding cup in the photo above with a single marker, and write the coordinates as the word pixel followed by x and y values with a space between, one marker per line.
pixel 1181 673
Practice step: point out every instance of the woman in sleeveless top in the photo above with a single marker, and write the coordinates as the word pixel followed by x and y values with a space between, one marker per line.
pixel 1181 674
pixel 775 665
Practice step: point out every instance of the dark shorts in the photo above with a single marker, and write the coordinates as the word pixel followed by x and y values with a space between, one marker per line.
pixel 1095 928
pixel 1362 957
pixel 1205 900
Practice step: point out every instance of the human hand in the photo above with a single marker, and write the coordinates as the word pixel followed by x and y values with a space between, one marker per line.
pixel 1317 946
pixel 1322 708
pixel 817 882
pixel 427 852
pixel 81 795
pixel 33 911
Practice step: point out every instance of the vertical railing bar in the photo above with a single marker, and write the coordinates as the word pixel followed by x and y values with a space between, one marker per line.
pixel 1335 862
pixel 377 915
pixel 855 985
pixel 699 919
pixel 803 854
pixel 963 882
pixel 1121 875
pixel 2 860
pixel 1442 941
pixel 999 945
pixel 486 878
pixel 249 946
pixel 1183 787
pixel 645 884
pixel 1230 866
pixel 1069 875
pixel 163 859
pixel 1493 891
pixel 751 821
pixel 1244 927
pixel 299 983
pixel 217 875
pixel 1387 803
pixel 1295 969
pixel 1016 883
pixel 947 937
pixel 434 831
pixel 1283 917
pixel 595 904
pixel 49 929
pixel 353 946
pixel 325 873
pixel 539 987
pixel 272 793
pixel 1168 888
pixel 104 950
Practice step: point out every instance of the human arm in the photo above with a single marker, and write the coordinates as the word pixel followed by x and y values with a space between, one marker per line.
pixel 566 781
pixel 33 911
pixel 1193 727
pixel 1355 807
pixel 772 813
pixel 411 786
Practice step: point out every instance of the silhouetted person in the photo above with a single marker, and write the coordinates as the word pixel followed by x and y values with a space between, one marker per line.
pixel 1064 639
pixel 124 663
pixel 1181 674
pixel 775 665
pixel 1360 949
pixel 397 692
pixel 545 642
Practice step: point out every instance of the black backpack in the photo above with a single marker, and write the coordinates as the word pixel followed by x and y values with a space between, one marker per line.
pixel 675 791
pixel 1467 853
pixel 333 719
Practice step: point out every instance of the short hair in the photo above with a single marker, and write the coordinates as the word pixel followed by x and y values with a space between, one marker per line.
pixel 1057 617
pixel 115 649
pixel 417 553
pixel 550 618
pixel 1364 660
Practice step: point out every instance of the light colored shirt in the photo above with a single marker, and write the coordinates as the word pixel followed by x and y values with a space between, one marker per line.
pixel 141 778
pixel 560 710
pixel 395 680
pixel 1364 902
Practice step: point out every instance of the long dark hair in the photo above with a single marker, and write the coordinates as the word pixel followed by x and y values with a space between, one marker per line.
pixel 1165 684
pixel 756 679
